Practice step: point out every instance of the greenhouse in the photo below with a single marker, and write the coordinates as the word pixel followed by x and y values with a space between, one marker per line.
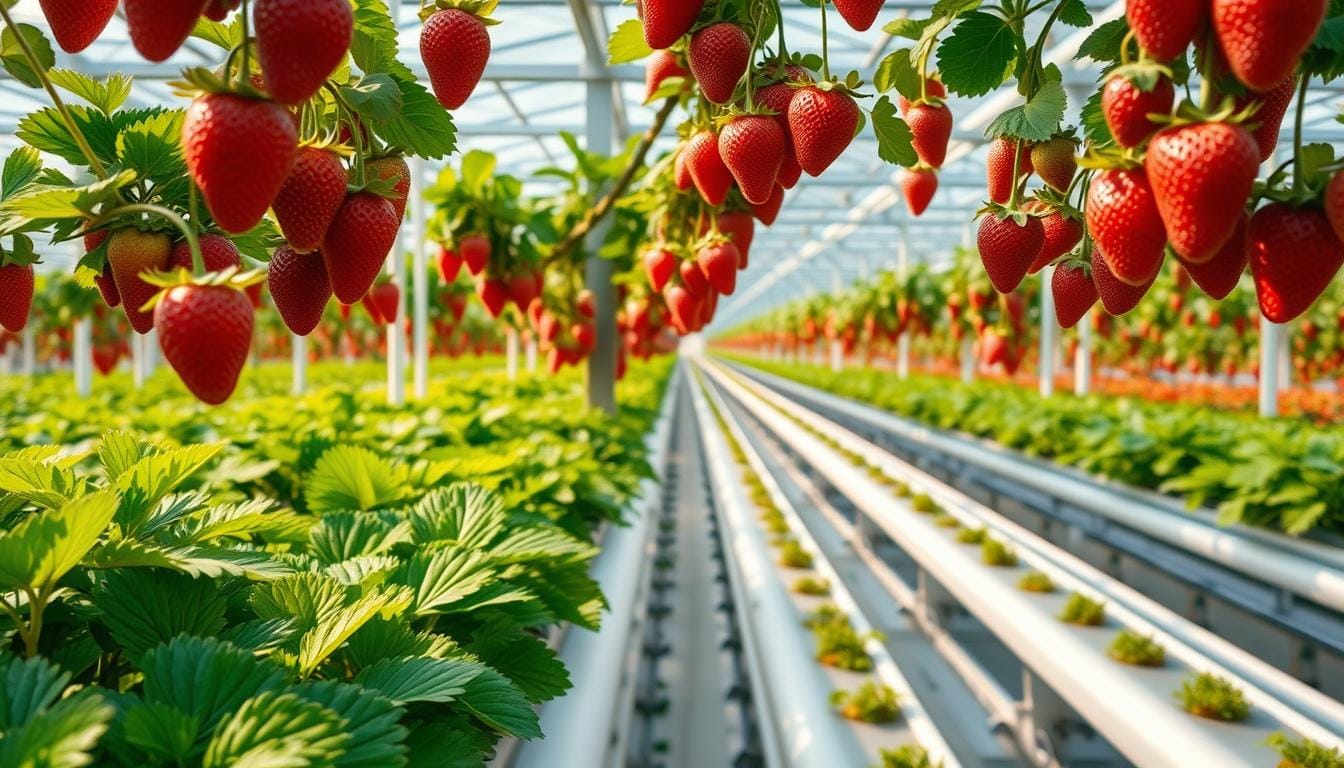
pixel 672 383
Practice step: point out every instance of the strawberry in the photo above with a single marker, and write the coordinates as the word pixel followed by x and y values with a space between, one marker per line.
pixel 1007 249
pixel 776 98
pixel 822 123
pixel 768 212
pixel 790 171
pixel 107 285
pixel 1062 234
pixel 493 294
pixel 454 46
pixel 105 357
pixel 159 27
pixel 450 265
pixel 1334 203
pixel 752 148
pixel 300 287
pixel 665 21
pixel 387 298
pixel 217 252
pixel 719 55
pixel 919 185
pixel 219 10
pixel 662 65
pixel 1074 292
pixel 712 178
pixel 718 262
pixel 1264 39
pixel 1268 119
pixel 205 332
pixel 523 287
pixel 300 43
pixel 859 14
pixel 1126 108
pixel 585 335
pixel 1117 298
pixel 683 307
pixel 931 129
pixel 129 253
pixel 1201 177
pixel 1219 275
pixel 358 242
pixel 17 283
pixel 693 278
pixel 1165 28
pixel 371 306
pixel 934 89
pixel 740 227
pixel 309 198
pixel 77 23
pixel 682 171
pixel 1294 254
pixel 585 304
pixel 395 169
pixel 239 151
pixel 475 250
pixel 1122 215
pixel 659 263
pixel 1054 162
pixel 999 165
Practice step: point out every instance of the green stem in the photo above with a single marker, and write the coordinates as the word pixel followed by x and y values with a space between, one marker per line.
pixel 188 233
pixel 825 46
pixel 1016 195
pixel 1036 63
pixel 356 132
pixel 84 147
pixel 37 603
pixel 1299 179
pixel 1206 63
pixel 924 72
pixel 245 74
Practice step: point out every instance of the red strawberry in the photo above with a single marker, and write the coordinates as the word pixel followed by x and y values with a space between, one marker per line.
pixel 752 148
pixel 719 264
pixel 662 65
pixel 934 89
pixel 1165 28
pixel 358 242
pixel 999 168
pixel 217 252
pixel 493 294
pixel 457 304
pixel 740 227
pixel 683 307
pixel 768 212
pixel 776 98
pixel 450 265
pixel 387 298
pixel 1122 216
pixel 523 287
pixel 659 263
pixel 1126 108
pixel 1118 298
pixel 1074 291
pixel 931 128
pixel 240 152
pixel 1268 120
pixel 309 198
pixel 693 278
pixel 205 333
pixel 455 46
pixel 475 250
pixel 395 169
pixel 371 306
pixel 300 43
pixel 712 178
pixel 159 27
pixel 105 357
pixel 919 185
pixel 1054 162
pixel 219 10
pixel 682 171
pixel 665 21
pixel 1219 275
pixel 859 14
pixel 77 23
pixel 16 296
pixel 129 253
pixel 1062 234
pixel 719 55
pixel 1007 249
pixel 1264 39
pixel 585 304
pixel 107 284
pixel 1201 177
pixel 1334 203
pixel 1294 254
pixel 822 123
pixel 300 287
pixel 585 335
pixel 790 171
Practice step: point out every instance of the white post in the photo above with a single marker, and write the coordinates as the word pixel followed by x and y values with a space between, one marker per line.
pixel 531 352
pixel 299 357
pixel 420 280
pixel 138 362
pixel 1049 334
pixel 1272 337
pixel 396 339
pixel 1082 357
pixel 837 356
pixel 511 353
pixel 82 358
pixel 903 342
pixel 29 351
pixel 6 361
pixel 967 360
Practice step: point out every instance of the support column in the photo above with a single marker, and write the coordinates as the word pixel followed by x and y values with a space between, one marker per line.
pixel 1049 334
pixel 420 281
pixel 531 353
pixel 1082 358
pixel 138 363
pixel 299 358
pixel 29 350
pixel 1272 344
pixel 967 360
pixel 598 272
pixel 81 357
pixel 511 353
pixel 396 336
pixel 903 271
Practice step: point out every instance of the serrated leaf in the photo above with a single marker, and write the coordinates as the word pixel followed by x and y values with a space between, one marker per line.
pixel 979 55
pixel 1037 120
pixel 278 730
pixel 29 686
pixel 154 477
pixel 41 201
pixel 375 97
pixel 500 705
pixel 893 135
pixel 1095 128
pixel 334 628
pixel 407 680
pixel 340 536
pixel 166 733
pixel 374 44
pixel 423 127
pixel 21 168
pixel 37 552
pixel 352 478
pixel 467 515
pixel 911 29
pixel 105 96
pixel 64 736
pixel 226 36
pixel 541 543
pixel 527 661
pixel 443 577
pixel 15 61
pixel 627 43
pixel 142 608
pixel 1075 14
pixel 373 721
pixel 1104 43
pixel 118 452
pixel 153 147
pixel 897 71
pixel 205 678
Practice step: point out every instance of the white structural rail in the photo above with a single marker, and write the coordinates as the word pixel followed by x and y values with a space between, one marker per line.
pixel 1132 707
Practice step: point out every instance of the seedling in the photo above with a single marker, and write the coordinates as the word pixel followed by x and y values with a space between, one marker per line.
pixel 870 703
pixel 944 520
pixel 1216 698
pixel 1083 611
pixel 1036 581
pixel 812 585
pixel 997 554
pixel 900 490
pixel 1130 647
pixel 840 646
pixel 792 555
pixel 1304 753
pixel 924 504
pixel 908 756
pixel 974 536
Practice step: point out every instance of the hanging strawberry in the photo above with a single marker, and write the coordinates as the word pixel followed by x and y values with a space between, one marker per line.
pixel 455 47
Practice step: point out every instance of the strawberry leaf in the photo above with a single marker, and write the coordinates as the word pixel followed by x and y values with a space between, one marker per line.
pixel 13 59
pixel 897 71
pixel 1038 119
pixel 423 127
pixel 893 135
pixel 1075 14
pixel 979 55
pixel 1104 43
pixel 105 97
pixel 374 45
pixel 627 44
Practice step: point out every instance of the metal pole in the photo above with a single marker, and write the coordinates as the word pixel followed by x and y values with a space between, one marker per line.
pixel 602 362
pixel 1082 357
pixel 299 353
pixel 1049 333
pixel 511 353
pixel 967 360
pixel 1272 336
pixel 82 357
pixel 420 281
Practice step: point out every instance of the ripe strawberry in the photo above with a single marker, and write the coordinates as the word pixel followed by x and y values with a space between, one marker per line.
pixel 1219 275
pixel 719 55
pixel 523 287
pixel 309 198
pixel 300 287
pixel 585 304
pixel 776 98
pixel 1201 176
pixel 300 43
pixel 740 227
pixel 129 253
pixel 682 306
pixel 393 168
pixel 1007 249
pixel 1122 216
pixel 17 283
pixel 682 171
pixel 585 335
pixel 1062 234
pixel 768 212
pixel 159 27
pixel 1165 28
pixel 665 21
pixel 931 129
pixel 107 285
pixel 454 46
pixel 219 10
pixel 999 165
pixel 859 14
pixel 240 152
pixel 1117 298
pixel 712 178
pixel 1054 162
pixel 661 66
pixel 718 262
pixel 77 23
pixel 493 294
pixel 1126 108
pixel 105 357
pixel 934 89
pixel 693 278
pixel 371 306
pixel 358 242
pixel 205 333
pixel 475 250
pixel 1294 254
pixel 1074 291
pixel 659 263
pixel 919 185
pixel 1334 203
pixel 1268 120
pixel 790 171
pixel 822 123
pixel 752 148
pixel 1264 39
pixel 387 298
pixel 450 265
pixel 217 252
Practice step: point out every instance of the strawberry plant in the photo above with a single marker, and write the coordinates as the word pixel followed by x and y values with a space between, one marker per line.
pixel 1130 647
pixel 812 585
pixel 1305 753
pixel 996 553
pixel 1216 698
pixel 869 703
pixel 1083 611
pixel 1037 582
pixel 907 756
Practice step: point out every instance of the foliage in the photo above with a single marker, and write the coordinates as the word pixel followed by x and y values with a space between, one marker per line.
pixel 812 585
pixel 908 756
pixel 1036 581
pixel 1305 753
pixel 838 643
pixel 793 555
pixel 976 536
pixel 996 553
pixel 871 702
pixel 1083 611
pixel 1130 647
pixel 1216 698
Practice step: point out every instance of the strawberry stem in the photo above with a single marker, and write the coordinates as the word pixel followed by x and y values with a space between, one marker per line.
pixel 825 46
pixel 1299 178
pixel 188 232
pixel 1206 64
pixel 245 73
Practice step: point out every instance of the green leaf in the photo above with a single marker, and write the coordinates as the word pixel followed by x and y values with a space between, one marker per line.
pixel 478 169
pixel 500 705
pixel 13 59
pixel 444 576
pixel 37 552
pixel 159 730
pixel 1104 43
pixel 153 478
pixel 334 628
pixel 423 127
pixel 375 97
pixel 897 71
pixel 39 481
pixel 526 660
pixel 143 608
pixel 278 730
pixel 106 97
pixel 205 678
pixel 911 29
pixel 339 536
pixel 118 452
pixel 259 636
pixel 374 45
pixel 42 201
pixel 352 478
pixel 893 135
pixel 1038 119
pixel 153 147
pixel 467 515
pixel 64 736
pixel 448 742
pixel 21 168
pixel 226 36
pixel 373 722
pixel 541 543
pixel 627 44
pixel 1315 157
pixel 29 686
pixel 1075 14
pixel 408 680
pixel 1095 127
pixel 979 54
